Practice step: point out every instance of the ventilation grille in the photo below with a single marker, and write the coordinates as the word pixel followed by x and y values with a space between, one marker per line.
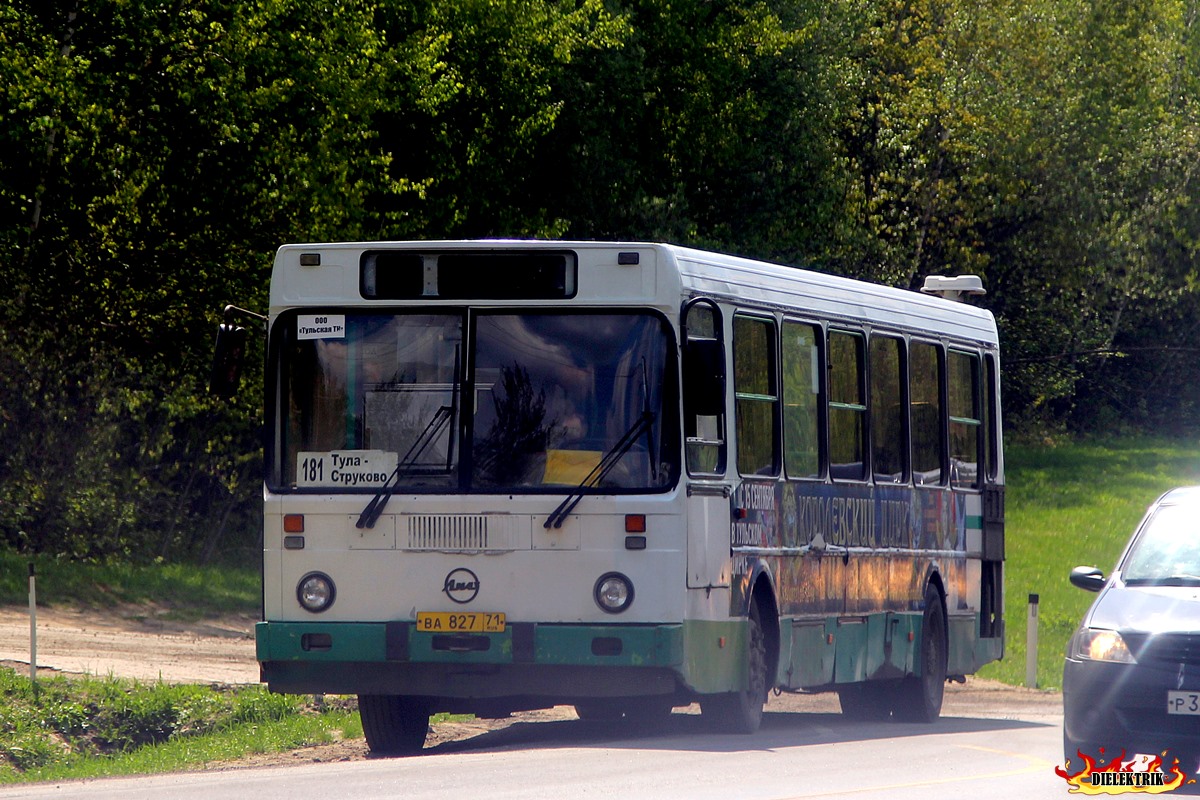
pixel 462 533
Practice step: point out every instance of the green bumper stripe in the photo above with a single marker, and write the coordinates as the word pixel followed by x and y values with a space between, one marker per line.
pixel 606 645
pixel 291 641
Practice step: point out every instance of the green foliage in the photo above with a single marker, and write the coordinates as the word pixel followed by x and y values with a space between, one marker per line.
pixel 178 589
pixel 712 125
pixel 1071 505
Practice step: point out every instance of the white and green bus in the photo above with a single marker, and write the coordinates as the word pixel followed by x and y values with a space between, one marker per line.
pixel 504 475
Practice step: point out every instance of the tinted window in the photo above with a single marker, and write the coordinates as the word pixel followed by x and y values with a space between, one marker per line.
pixel 925 389
pixel 889 442
pixel 847 407
pixel 756 395
pixel 801 399
pixel 965 417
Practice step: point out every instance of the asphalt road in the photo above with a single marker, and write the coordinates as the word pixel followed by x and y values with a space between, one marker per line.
pixel 989 751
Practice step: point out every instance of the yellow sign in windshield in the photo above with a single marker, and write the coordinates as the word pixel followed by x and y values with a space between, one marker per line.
pixel 570 467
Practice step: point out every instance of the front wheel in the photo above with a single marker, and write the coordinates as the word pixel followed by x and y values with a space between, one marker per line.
pixel 919 698
pixel 741 712
pixel 394 725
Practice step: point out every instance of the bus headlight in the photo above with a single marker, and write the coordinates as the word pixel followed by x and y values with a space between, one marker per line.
pixel 316 592
pixel 613 592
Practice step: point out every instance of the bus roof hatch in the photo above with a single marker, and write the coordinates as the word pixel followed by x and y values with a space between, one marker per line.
pixel 953 288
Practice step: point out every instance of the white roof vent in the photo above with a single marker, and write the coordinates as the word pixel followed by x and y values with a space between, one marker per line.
pixel 953 288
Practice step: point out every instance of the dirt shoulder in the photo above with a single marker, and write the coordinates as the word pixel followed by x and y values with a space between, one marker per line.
pixel 131 642
pixel 143 644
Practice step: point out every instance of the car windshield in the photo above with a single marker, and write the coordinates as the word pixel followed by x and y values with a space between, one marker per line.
pixel 1167 550
pixel 526 402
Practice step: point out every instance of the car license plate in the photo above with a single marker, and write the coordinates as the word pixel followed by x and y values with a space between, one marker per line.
pixel 1183 703
pixel 460 622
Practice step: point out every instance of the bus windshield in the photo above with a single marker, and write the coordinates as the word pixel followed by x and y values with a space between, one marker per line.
pixel 489 401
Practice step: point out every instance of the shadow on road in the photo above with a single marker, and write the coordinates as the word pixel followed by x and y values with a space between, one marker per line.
pixel 691 732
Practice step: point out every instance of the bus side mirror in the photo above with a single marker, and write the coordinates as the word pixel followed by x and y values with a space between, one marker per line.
pixel 228 357
pixel 704 377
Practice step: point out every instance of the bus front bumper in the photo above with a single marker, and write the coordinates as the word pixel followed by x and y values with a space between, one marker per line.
pixel 528 659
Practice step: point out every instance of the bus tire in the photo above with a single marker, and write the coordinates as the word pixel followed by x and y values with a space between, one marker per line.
pixel 395 725
pixel 741 711
pixel 919 698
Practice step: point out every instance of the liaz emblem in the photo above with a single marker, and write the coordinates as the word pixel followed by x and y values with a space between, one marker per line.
pixel 461 585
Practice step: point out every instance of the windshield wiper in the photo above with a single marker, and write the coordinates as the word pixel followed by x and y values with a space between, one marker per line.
pixel 1169 580
pixel 370 515
pixel 610 460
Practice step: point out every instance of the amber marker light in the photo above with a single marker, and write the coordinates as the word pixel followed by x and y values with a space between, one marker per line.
pixel 293 523
pixel 635 523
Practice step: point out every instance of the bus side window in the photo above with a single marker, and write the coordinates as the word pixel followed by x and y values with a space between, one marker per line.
pixel 703 388
pixel 966 418
pixel 991 434
pixel 847 407
pixel 925 388
pixel 889 439
pixel 802 399
pixel 756 395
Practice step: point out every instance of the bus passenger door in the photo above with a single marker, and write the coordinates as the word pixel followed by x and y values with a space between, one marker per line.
pixel 704 404
pixel 708 536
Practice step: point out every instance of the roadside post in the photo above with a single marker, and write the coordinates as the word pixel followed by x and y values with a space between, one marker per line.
pixel 1031 643
pixel 33 626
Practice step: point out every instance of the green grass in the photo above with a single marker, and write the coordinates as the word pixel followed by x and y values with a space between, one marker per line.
pixel 189 591
pixel 1067 506
pixel 72 728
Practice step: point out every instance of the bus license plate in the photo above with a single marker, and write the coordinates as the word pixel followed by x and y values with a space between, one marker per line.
pixel 1183 703
pixel 460 622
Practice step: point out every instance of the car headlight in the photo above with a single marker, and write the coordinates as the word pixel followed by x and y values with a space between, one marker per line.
pixel 613 592
pixel 316 592
pixel 1098 644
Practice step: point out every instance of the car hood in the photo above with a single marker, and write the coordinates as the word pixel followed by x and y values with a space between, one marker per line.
pixel 1152 609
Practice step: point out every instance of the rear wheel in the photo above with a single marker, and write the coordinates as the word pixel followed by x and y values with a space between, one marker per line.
pixel 395 725
pixel 741 712
pixel 919 698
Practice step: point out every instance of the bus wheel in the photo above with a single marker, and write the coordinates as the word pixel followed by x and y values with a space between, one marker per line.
pixel 919 698
pixel 741 712
pixel 866 701
pixel 394 725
